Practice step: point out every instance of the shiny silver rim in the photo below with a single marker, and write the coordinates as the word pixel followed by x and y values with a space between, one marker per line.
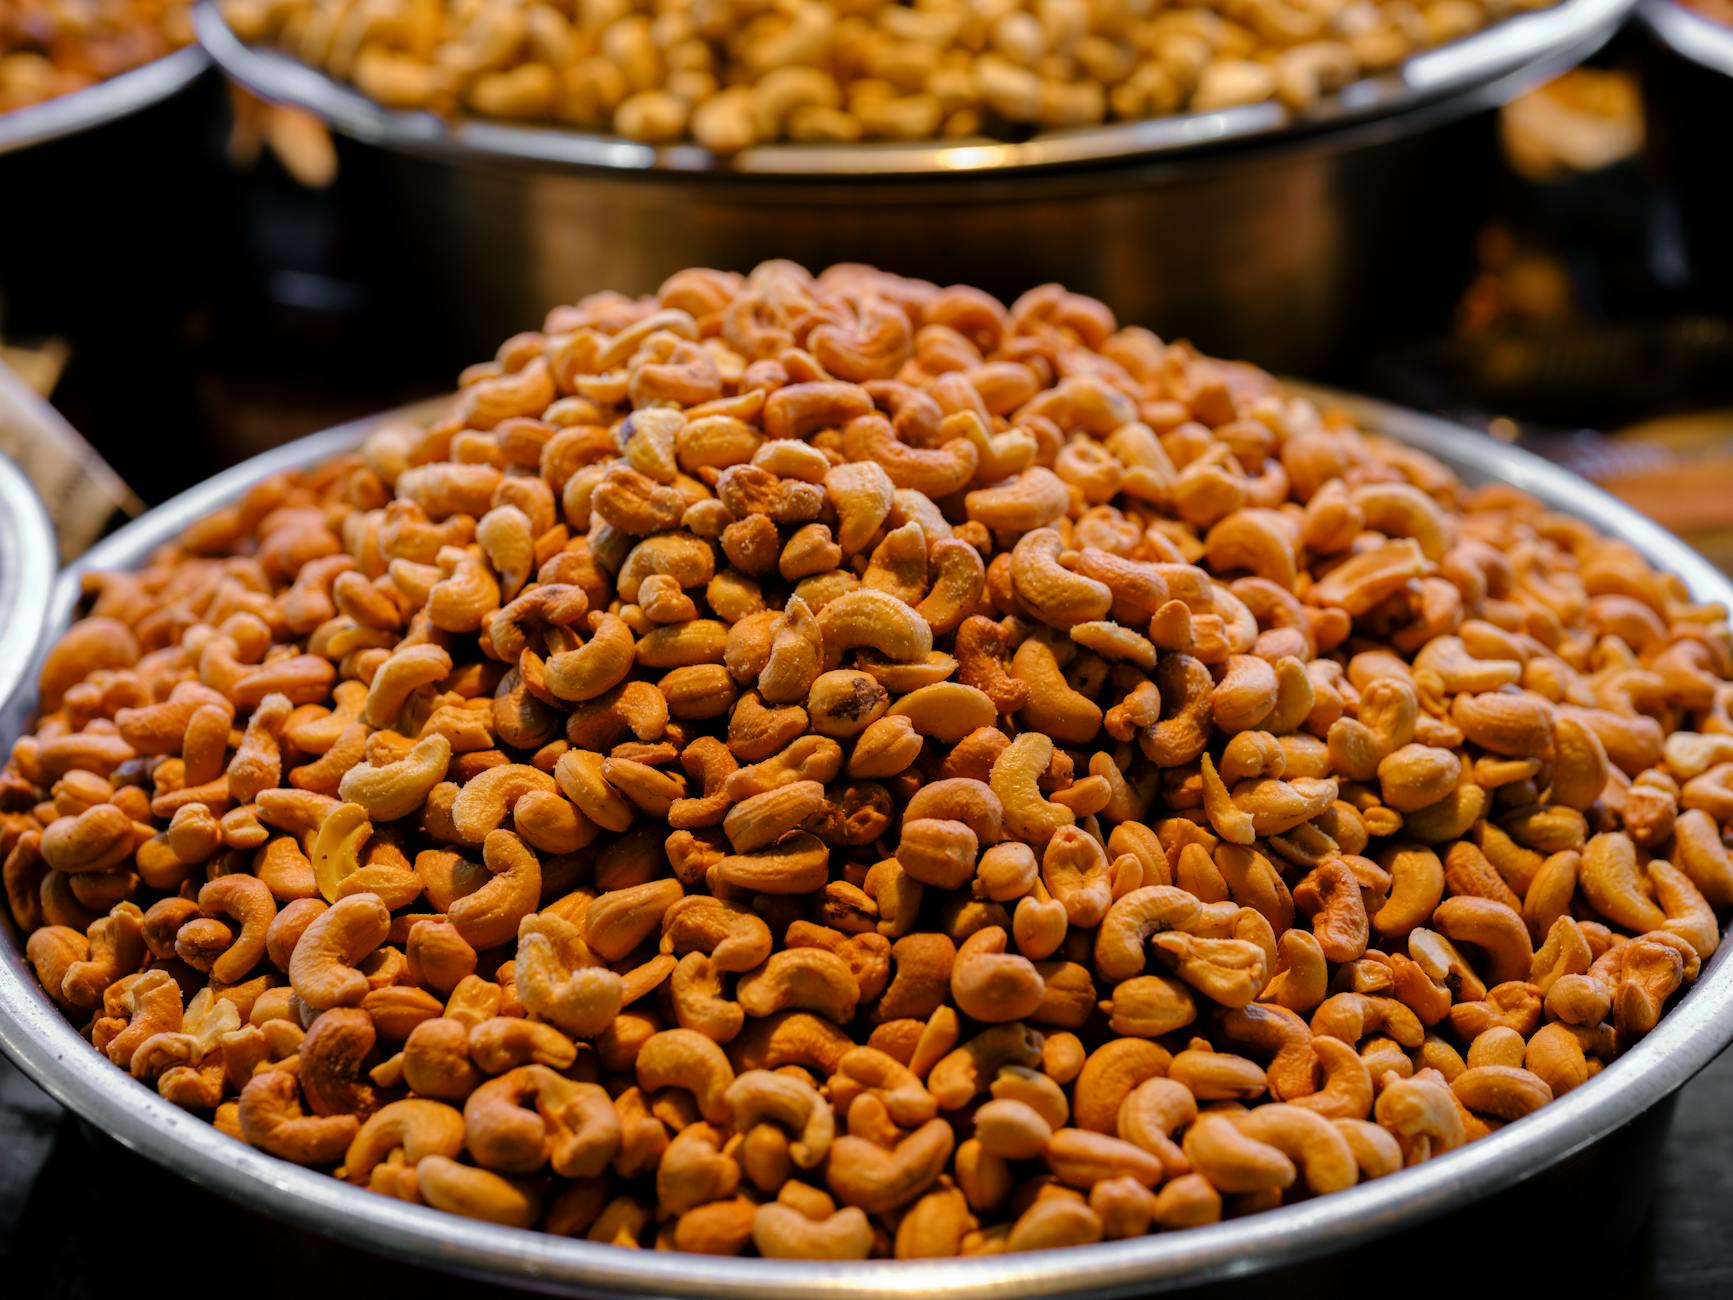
pixel 1530 46
pixel 1690 35
pixel 35 1035
pixel 28 559
pixel 103 102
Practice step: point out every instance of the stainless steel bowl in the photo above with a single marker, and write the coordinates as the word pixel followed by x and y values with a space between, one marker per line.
pixel 1634 1088
pixel 1252 230
pixel 1691 35
pixel 1688 88
pixel 104 102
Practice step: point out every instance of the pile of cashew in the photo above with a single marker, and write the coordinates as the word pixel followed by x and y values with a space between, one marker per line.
pixel 836 767
pixel 730 74
pixel 50 48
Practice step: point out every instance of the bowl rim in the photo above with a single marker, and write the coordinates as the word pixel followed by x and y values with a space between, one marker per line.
pixel 46 1046
pixel 1480 69
pixel 29 559
pixel 1689 34
pixel 119 96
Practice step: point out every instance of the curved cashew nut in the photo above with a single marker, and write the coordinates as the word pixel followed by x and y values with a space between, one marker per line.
pixel 1233 1160
pixel 1231 972
pixel 490 916
pixel 735 938
pixel 485 799
pixel 1423 1116
pixel 1403 510
pixel 597 666
pixel 1257 539
pixel 1496 929
pixel 245 899
pixel 271 1119
pixel 876 620
pixel 864 1174
pixel 990 985
pixel 414 1126
pixel 322 967
pixel 406 671
pixel 964 1073
pixel 1351 1016
pixel 1308 1139
pixel 394 790
pixel 1052 593
pixel 1613 884
pixel 761 1096
pixel 783 1232
pixel 1028 815
pixel 1183 729
pixel 573 1126
pixel 685 1059
pixel 808 979
pixel 908 1103
pixel 1130 922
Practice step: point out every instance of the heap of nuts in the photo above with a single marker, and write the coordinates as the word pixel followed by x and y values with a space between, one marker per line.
pixel 50 48
pixel 838 768
pixel 734 74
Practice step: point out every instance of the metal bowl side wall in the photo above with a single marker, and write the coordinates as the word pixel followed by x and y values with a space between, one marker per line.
pixel 1296 255
pixel 104 103
pixel 1688 91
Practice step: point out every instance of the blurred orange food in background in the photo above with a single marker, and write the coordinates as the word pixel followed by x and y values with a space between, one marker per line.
pixel 50 48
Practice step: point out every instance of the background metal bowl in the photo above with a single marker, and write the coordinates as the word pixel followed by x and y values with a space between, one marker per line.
pixel 104 102
pixel 1688 84
pixel 1630 1097
pixel 1257 232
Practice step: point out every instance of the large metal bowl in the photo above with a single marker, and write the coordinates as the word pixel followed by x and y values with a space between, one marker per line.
pixel 1690 34
pixel 110 240
pixel 1293 239
pixel 107 101
pixel 35 1035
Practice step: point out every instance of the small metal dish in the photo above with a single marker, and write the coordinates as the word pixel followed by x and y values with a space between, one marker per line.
pixel 104 102
pixel 1636 1087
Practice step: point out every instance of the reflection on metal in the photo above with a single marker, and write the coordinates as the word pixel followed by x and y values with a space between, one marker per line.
pixel 27 565
pixel 1690 34
pixel 103 102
